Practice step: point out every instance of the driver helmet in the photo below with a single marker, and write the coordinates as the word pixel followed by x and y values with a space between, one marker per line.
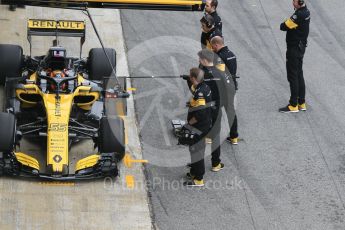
pixel 58 74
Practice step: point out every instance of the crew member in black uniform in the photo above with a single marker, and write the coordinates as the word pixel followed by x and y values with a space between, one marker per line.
pixel 213 78
pixel 199 118
pixel 211 9
pixel 225 60
pixel 297 27
pixel 209 30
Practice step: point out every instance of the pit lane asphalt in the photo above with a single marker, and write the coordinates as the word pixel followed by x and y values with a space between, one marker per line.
pixel 288 171
pixel 98 204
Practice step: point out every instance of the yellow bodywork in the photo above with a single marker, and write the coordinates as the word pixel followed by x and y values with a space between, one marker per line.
pixel 87 162
pixel 58 113
pixel 27 160
pixel 160 2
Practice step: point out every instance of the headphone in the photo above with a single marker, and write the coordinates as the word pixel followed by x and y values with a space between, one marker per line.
pixel 207 20
pixel 301 2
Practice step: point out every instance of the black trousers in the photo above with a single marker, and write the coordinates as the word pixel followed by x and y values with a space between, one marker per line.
pixel 197 153
pixel 294 64
pixel 232 119
pixel 233 129
pixel 215 135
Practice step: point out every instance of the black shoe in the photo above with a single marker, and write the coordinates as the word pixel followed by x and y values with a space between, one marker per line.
pixel 189 165
pixel 289 109
pixel 194 183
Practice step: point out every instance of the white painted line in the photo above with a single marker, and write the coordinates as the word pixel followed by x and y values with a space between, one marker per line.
pixel 133 135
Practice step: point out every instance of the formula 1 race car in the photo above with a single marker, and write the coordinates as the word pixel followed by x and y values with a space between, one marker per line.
pixel 60 100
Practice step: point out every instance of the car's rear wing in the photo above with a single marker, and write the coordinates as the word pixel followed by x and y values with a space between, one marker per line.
pixel 170 5
pixel 56 28
pixel 64 28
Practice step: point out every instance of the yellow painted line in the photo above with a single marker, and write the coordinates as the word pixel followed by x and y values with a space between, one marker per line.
pixel 55 183
pixel 132 89
pixel 119 108
pixel 130 181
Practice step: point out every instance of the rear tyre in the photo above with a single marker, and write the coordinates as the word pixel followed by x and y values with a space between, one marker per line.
pixel 112 137
pixel 11 61
pixel 99 66
pixel 7 132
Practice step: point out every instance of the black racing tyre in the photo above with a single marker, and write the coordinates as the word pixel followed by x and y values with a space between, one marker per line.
pixel 11 61
pixel 112 137
pixel 99 65
pixel 7 132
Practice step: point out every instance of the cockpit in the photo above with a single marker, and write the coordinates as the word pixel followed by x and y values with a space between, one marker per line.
pixel 55 74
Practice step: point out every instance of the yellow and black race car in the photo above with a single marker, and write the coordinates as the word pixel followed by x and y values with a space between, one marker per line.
pixel 62 99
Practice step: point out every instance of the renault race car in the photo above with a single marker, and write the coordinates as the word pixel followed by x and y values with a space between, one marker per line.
pixel 60 100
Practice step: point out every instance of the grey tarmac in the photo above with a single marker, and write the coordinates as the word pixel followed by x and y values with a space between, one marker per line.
pixel 102 204
pixel 288 171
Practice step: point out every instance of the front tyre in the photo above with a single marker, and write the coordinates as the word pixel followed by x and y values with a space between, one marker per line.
pixel 112 137
pixel 7 132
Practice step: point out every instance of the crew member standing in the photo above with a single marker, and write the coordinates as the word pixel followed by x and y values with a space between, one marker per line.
pixel 225 61
pixel 199 118
pixel 209 30
pixel 213 78
pixel 211 9
pixel 297 31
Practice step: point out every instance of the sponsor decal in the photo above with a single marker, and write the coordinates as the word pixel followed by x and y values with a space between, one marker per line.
pixel 51 24
pixel 57 127
pixel 57 108
pixel 57 158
